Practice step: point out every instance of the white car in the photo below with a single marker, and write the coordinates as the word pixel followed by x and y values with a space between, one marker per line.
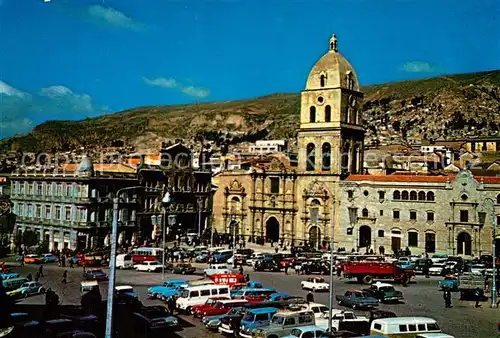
pixel 436 269
pixel 217 269
pixel 315 284
pixel 317 308
pixel 306 332
pixel 149 266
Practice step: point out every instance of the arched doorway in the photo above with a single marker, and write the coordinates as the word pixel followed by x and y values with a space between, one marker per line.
pixel 464 244
pixel 315 236
pixel 272 229
pixel 365 236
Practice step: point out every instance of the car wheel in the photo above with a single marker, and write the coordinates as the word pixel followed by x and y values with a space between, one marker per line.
pixel 149 270
pixel 354 307
pixel 188 310
pixel 25 295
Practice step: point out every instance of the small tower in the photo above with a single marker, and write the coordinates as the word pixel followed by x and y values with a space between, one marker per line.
pixel 331 135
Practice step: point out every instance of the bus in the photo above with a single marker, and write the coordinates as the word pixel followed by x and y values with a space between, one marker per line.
pixel 140 255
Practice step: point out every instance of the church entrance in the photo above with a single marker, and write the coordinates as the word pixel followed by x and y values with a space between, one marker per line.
pixel 464 244
pixel 365 236
pixel 315 237
pixel 272 229
pixel 430 242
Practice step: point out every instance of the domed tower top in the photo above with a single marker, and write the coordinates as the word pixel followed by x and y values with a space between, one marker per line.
pixel 332 71
pixel 86 167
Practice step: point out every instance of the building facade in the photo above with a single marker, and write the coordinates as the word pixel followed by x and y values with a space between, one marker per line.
pixel 327 192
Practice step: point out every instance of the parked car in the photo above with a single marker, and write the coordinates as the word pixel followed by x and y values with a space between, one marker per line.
pixel 196 310
pixel 49 258
pixel 96 274
pixel 357 299
pixel 315 268
pixel 437 269
pixel 306 332
pixel 315 284
pixel 154 318
pixel 217 269
pixel 213 322
pixel 254 319
pixel 9 275
pixel 266 265
pixel 33 259
pixel 125 290
pixel 184 269
pixel 27 289
pixel 153 266
pixel 221 307
pixel 202 257
pixel 283 323
pixel 384 292
pixel 168 289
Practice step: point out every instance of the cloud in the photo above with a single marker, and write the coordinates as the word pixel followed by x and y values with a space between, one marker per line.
pixel 112 16
pixel 171 83
pixel 21 111
pixel 419 67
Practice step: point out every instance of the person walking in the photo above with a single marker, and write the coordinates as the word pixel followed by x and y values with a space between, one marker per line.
pixel 40 270
pixel 310 297
pixel 286 269
pixel 65 277
pixel 447 297
pixel 477 295
pixel 241 269
pixel 83 266
pixel 71 263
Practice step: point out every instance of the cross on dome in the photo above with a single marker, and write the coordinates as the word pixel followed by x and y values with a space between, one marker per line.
pixel 333 43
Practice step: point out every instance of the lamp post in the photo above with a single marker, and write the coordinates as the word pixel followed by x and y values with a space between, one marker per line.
pixel 200 201
pixel 491 202
pixel 112 259
pixel 330 300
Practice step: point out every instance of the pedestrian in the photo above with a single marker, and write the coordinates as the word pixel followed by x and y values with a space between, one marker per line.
pixel 40 271
pixel 37 276
pixel 276 249
pixel 83 268
pixel 447 297
pixel 477 295
pixel 65 277
pixel 487 284
pixel 171 305
pixel 241 269
pixel 338 269
pixel 297 269
pixel 71 263
pixel 286 269
pixel 22 260
pixel 404 280
pixel 310 297
pixel 247 277
pixel 29 277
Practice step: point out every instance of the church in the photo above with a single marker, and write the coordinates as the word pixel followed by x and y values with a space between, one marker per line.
pixel 327 193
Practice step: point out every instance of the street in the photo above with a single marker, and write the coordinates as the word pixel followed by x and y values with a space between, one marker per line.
pixel 422 298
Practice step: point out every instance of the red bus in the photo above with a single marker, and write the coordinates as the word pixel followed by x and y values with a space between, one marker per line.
pixel 140 255
pixel 228 279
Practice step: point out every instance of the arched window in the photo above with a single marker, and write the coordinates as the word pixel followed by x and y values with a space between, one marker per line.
pixel 430 196
pixel 322 81
pixel 312 114
pixel 235 205
pixel 413 195
pixel 311 158
pixel 421 196
pixel 326 153
pixel 396 195
pixel 364 212
pixel 404 195
pixel 328 113
pixel 498 199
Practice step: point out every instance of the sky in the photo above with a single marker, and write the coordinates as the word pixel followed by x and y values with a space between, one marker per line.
pixel 74 59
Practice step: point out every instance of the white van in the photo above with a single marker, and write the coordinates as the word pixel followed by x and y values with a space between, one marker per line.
pixel 409 327
pixel 198 295
pixel 124 261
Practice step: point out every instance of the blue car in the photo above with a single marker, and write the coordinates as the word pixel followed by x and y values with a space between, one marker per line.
pixel 254 319
pixel 9 275
pixel 212 322
pixel 277 297
pixel 49 258
pixel 357 299
pixel 449 282
pixel 168 289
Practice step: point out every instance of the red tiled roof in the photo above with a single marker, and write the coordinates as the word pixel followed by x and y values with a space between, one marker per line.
pixel 418 178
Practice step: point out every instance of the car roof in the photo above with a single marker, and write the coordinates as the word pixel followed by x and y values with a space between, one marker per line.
pixel 263 310
pixel 123 287
pixel 309 328
pixel 405 320
pixel 379 284
pixel 232 301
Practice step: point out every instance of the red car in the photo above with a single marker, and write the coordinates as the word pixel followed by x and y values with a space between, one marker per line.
pixel 221 307
pixel 195 310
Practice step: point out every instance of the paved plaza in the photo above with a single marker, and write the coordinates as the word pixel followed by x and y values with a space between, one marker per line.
pixel 422 298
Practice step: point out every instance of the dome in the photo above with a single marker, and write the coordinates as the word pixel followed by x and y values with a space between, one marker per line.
pixel 332 71
pixel 86 166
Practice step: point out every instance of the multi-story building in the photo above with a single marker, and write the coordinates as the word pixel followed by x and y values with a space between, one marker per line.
pixel 72 207
pixel 327 192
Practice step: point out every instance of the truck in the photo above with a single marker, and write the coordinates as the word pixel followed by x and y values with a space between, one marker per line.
pixel 367 271
pixel 467 285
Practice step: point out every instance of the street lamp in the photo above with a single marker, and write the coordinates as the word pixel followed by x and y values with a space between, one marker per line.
pixel 489 201
pixel 330 300
pixel 112 263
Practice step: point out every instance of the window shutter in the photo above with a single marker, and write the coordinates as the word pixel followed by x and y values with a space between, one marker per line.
pixel 54 189
pixel 73 214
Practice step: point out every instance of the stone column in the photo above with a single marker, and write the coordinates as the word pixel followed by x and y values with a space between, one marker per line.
pixel 73 239
pixel 51 240
pixel 41 234
pixel 61 243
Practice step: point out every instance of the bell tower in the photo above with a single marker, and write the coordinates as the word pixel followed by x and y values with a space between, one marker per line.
pixel 330 138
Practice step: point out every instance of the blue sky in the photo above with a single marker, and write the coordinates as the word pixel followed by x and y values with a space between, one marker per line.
pixel 72 59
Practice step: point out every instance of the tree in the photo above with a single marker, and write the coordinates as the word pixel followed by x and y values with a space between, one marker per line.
pixel 30 238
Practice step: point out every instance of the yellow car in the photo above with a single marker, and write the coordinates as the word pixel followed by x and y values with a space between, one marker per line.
pixel 33 259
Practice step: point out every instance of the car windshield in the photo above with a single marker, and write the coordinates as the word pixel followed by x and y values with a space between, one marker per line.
pixel 320 280
pixel 154 263
pixel 184 294
pixel 25 285
pixel 358 294
pixel 295 332
pixel 387 289
pixel 248 317
pixel 277 320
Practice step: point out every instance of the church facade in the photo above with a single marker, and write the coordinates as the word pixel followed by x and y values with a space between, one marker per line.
pixel 326 193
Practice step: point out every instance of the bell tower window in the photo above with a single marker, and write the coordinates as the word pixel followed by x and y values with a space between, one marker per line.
pixel 328 113
pixel 311 158
pixel 312 114
pixel 326 153
pixel 322 81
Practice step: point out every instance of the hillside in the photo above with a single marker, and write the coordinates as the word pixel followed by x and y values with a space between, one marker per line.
pixel 453 106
